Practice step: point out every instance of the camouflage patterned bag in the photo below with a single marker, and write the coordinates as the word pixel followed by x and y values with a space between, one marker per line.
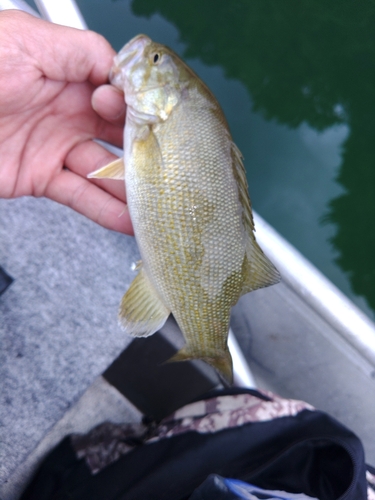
pixel 257 437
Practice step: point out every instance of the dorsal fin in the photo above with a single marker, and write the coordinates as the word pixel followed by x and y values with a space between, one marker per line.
pixel 240 176
pixel 257 270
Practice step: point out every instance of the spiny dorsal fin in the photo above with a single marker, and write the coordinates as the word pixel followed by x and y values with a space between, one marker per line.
pixel 240 176
pixel 113 170
pixel 142 313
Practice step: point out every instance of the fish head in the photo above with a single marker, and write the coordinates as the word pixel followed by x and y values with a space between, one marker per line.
pixel 151 76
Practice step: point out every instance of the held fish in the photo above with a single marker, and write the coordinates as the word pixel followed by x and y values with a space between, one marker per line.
pixel 188 200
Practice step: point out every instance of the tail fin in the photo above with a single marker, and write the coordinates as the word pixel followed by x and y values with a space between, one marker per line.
pixel 222 361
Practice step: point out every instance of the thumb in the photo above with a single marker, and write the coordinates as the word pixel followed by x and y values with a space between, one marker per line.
pixel 62 53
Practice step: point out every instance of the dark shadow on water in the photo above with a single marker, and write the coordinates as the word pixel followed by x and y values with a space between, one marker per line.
pixel 307 61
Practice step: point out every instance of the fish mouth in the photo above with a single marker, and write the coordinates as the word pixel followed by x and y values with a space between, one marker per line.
pixel 130 53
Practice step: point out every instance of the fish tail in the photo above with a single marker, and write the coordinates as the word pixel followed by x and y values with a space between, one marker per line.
pixel 221 361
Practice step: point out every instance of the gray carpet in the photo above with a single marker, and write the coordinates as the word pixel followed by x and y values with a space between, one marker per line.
pixel 58 319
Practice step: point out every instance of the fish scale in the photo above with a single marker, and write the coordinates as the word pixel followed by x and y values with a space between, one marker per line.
pixel 188 201
pixel 194 173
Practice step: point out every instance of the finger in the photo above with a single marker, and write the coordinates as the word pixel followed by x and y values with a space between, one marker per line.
pixel 109 103
pixel 89 200
pixel 70 55
pixel 113 134
pixel 88 157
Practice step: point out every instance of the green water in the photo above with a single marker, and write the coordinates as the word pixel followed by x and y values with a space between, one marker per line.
pixel 296 80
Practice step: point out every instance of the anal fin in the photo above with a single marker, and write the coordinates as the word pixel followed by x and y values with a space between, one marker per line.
pixel 141 312
pixel 113 170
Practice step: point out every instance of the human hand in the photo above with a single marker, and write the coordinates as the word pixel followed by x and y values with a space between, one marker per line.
pixel 48 75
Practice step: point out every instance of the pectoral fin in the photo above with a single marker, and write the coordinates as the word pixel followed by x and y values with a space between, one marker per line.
pixel 142 313
pixel 113 170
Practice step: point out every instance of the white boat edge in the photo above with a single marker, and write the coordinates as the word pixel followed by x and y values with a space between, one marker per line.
pixel 18 5
pixel 317 290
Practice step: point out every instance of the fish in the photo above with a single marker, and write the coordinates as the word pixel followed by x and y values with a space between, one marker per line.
pixel 188 200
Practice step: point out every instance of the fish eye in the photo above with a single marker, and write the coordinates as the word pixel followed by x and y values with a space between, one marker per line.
pixel 156 58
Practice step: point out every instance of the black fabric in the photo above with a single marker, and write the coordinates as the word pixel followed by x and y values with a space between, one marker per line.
pixel 220 488
pixel 310 453
pixel 5 280
pixel 213 487
pixel 230 391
